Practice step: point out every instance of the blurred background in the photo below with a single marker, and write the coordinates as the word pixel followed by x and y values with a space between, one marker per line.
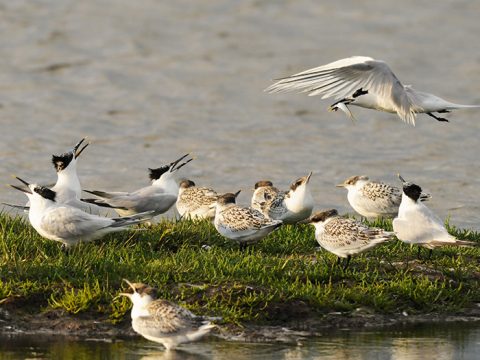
pixel 148 81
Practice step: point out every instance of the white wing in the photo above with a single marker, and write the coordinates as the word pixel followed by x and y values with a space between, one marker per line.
pixel 341 79
pixel 71 223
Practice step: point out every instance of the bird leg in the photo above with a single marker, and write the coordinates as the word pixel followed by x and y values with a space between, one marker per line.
pixel 347 261
pixel 436 117
pixel 418 253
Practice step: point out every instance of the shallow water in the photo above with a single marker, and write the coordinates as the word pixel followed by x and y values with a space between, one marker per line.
pixel 440 342
pixel 150 80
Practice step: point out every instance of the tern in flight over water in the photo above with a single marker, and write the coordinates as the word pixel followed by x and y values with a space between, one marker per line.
pixel 369 83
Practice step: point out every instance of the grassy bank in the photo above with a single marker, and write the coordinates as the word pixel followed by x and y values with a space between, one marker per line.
pixel 280 279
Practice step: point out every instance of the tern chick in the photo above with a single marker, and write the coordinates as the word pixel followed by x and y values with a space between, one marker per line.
pixel 373 199
pixel 162 321
pixel 345 237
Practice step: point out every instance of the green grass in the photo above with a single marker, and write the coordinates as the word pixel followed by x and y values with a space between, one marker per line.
pixel 283 276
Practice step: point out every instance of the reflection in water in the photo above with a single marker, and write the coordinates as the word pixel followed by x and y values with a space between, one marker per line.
pixel 445 342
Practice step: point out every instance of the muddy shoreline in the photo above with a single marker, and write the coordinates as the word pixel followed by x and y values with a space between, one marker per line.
pixel 85 326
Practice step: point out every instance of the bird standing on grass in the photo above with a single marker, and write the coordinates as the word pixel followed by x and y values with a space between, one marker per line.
pixel 373 199
pixel 345 237
pixel 162 321
pixel 243 225
pixel 195 202
pixel 67 224
pixel 292 206
pixel 416 224
pixel 263 194
pixel 159 197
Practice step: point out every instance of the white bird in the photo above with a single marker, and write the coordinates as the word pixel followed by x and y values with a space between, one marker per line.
pixel 416 224
pixel 345 237
pixel 369 83
pixel 373 199
pixel 195 202
pixel 292 206
pixel 67 187
pixel 162 321
pixel 243 225
pixel 158 197
pixel 67 224
pixel 263 194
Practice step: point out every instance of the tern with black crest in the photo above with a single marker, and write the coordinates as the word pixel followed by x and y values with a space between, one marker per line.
pixel 159 197
pixel 416 224
pixel 368 83
pixel 67 224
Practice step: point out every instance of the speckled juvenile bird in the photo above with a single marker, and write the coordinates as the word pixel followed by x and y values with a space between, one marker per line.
pixel 157 197
pixel 292 206
pixel 196 202
pixel 162 321
pixel 263 194
pixel 373 199
pixel 418 225
pixel 345 237
pixel 243 225
pixel 67 224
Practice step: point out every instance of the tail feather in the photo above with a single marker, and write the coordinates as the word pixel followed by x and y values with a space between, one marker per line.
pixel 102 203
pixel 104 194
pixel 133 219
pixel 463 243
pixel 21 207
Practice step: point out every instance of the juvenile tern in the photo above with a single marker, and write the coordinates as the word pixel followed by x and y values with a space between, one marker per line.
pixel 292 206
pixel 162 321
pixel 369 83
pixel 263 194
pixel 243 225
pixel 345 237
pixel 67 224
pixel 195 202
pixel 157 197
pixel 416 224
pixel 373 199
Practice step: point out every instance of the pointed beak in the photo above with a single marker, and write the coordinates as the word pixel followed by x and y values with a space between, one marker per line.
pixel 238 192
pixel 129 284
pixel 340 185
pixel 401 178
pixel 174 165
pixel 305 221
pixel 124 294
pixel 76 149
pixel 25 190
pixel 308 177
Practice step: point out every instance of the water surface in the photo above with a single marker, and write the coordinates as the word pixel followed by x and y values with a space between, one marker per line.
pixel 440 342
pixel 150 80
